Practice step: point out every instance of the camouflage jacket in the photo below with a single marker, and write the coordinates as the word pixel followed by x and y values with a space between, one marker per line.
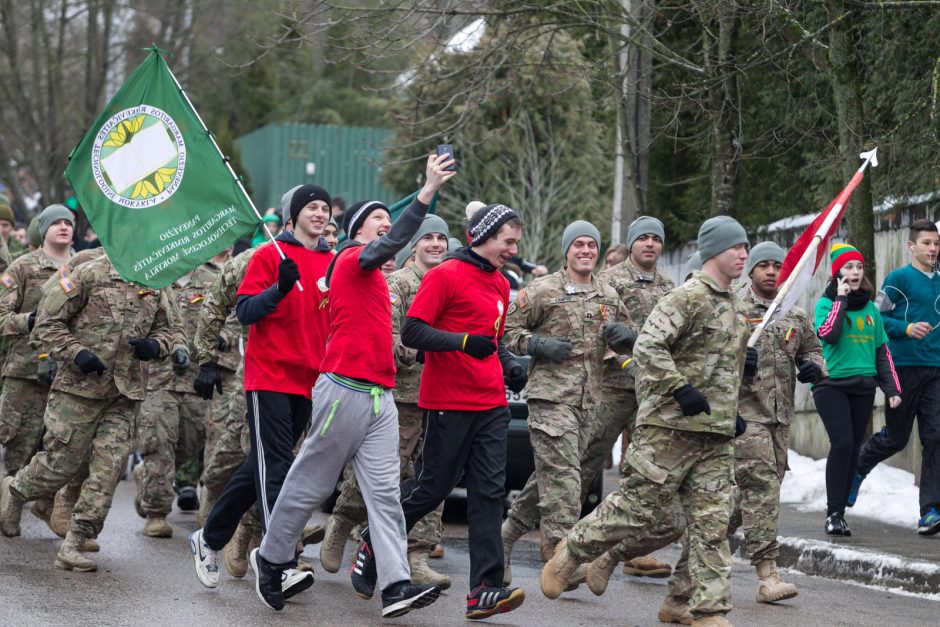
pixel 5 257
pixel 553 306
pixel 402 287
pixel 95 309
pixel 217 316
pixel 20 293
pixel 190 293
pixel 768 396
pixel 639 292
pixel 696 334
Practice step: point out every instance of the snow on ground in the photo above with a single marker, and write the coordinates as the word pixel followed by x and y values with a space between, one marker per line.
pixel 888 494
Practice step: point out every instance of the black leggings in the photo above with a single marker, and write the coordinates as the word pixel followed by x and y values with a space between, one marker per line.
pixel 845 412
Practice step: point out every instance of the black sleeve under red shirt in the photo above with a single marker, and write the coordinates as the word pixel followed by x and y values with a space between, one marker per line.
pixel 286 346
pixel 461 298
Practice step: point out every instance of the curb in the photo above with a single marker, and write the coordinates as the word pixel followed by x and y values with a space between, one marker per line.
pixel 835 561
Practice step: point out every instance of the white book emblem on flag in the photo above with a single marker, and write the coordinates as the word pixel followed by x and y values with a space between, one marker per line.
pixel 148 150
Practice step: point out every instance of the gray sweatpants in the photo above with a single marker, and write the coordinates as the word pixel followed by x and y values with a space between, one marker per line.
pixel 349 422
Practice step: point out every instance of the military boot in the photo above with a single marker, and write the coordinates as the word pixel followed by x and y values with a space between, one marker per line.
pixel 713 620
pixel 11 509
pixel 91 546
pixel 578 577
pixel 157 527
pixel 312 534
pixel 42 509
pixel 138 473
pixel 437 552
pixel 647 566
pixel 235 554
pixel 558 571
pixel 334 544
pixel 599 572
pixel 70 555
pixel 422 574
pixel 510 533
pixel 65 500
pixel 675 610
pixel 770 588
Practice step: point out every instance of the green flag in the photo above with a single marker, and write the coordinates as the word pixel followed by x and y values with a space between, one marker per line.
pixel 153 183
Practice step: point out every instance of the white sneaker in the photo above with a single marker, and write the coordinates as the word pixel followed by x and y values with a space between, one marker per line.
pixel 207 560
pixel 295 581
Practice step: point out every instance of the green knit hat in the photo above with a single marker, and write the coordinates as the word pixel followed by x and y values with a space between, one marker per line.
pixel 765 251
pixel 841 254
pixel 32 233
pixel 6 212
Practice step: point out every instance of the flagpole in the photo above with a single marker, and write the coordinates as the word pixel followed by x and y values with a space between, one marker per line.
pixel 226 162
pixel 870 157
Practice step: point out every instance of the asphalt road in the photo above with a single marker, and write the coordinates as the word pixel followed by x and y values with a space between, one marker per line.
pixel 146 581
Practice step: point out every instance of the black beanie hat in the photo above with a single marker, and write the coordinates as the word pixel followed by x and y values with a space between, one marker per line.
pixel 355 216
pixel 487 221
pixel 305 194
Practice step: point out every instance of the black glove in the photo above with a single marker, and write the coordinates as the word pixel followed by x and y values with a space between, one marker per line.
pixel 45 371
pixel 691 401
pixel 287 275
pixel 479 346
pixel 554 348
pixel 145 348
pixel 517 378
pixel 809 372
pixel 207 379
pixel 739 426
pixel 88 362
pixel 180 359
pixel 221 344
pixel 619 337
pixel 750 362
pixel 31 320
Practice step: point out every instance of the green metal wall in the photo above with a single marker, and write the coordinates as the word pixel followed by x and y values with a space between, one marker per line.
pixel 347 161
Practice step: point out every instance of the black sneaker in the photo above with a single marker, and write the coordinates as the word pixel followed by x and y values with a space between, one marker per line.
pixel 401 598
pixel 835 526
pixel 485 601
pixel 295 581
pixel 362 574
pixel 188 499
pixel 267 581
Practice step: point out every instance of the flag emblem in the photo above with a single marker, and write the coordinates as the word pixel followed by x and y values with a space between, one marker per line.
pixel 138 157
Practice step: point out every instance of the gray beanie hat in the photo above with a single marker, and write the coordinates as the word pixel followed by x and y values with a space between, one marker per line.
pixel 50 215
pixel 453 244
pixel 430 224
pixel 643 225
pixel 765 251
pixel 576 229
pixel 285 204
pixel 718 234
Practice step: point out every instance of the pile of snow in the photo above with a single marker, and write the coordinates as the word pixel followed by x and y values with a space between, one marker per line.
pixel 888 494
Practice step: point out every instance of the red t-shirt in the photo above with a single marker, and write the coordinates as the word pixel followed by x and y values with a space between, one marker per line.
pixel 460 297
pixel 286 346
pixel 360 344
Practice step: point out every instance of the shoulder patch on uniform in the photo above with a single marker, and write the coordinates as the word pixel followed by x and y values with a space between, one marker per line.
pixel 512 309
pixel 393 297
pixel 522 298
pixel 65 280
pixel 7 280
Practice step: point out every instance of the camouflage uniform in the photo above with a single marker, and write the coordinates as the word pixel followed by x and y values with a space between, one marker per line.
pixel 350 507
pixel 94 309
pixel 760 454
pixel 695 334
pixel 172 419
pixel 223 450
pixel 23 400
pixel 562 396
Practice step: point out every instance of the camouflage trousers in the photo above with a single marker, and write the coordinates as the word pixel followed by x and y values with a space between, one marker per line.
pixel 559 435
pixel 698 467
pixel 760 462
pixel 96 432
pixel 162 438
pixel 615 412
pixel 223 451
pixel 350 507
pixel 22 405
